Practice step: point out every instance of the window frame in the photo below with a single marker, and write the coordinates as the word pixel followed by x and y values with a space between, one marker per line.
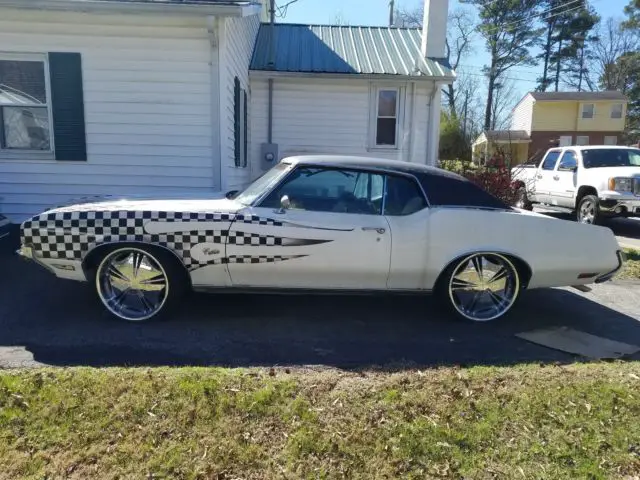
pixel 257 203
pixel 582 110
pixel 559 167
pixel 578 137
pixel 555 164
pixel 373 115
pixel 19 153
pixel 621 105
pixel 615 137
pixel 410 178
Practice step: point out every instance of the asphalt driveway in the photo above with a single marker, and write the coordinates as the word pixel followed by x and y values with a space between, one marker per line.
pixel 44 320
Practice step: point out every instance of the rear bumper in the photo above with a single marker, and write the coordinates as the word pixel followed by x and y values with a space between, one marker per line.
pixel 608 276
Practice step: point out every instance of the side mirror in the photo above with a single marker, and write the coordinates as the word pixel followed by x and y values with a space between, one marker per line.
pixel 285 204
pixel 231 194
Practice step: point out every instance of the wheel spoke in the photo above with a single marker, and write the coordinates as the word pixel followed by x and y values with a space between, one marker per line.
pixel 146 304
pixel 156 280
pixel 495 298
pixel 116 273
pixel 137 261
pixel 477 265
pixel 460 284
pixel 474 301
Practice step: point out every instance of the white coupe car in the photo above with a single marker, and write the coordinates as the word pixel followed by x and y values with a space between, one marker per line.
pixel 321 223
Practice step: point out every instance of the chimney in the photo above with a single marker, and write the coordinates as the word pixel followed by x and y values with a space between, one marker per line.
pixel 434 28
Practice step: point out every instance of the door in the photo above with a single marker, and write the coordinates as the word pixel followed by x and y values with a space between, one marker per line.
pixel 329 233
pixel 563 188
pixel 544 176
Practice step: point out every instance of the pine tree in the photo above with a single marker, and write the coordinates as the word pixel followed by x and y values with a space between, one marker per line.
pixel 580 50
pixel 506 27
pixel 566 25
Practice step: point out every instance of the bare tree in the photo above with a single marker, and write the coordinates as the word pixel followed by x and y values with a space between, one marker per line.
pixel 505 97
pixel 459 43
pixel 612 43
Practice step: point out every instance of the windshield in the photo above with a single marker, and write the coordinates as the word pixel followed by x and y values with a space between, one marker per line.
pixel 611 157
pixel 263 183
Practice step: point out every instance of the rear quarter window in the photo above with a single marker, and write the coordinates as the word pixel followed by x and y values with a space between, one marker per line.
pixel 450 190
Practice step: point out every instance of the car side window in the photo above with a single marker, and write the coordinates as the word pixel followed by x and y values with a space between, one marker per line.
pixel 568 162
pixel 319 189
pixel 403 196
pixel 550 161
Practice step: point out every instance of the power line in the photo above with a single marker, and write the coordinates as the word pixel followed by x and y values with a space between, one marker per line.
pixel 540 14
pixel 282 10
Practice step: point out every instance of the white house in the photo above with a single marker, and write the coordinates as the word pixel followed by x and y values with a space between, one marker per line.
pixel 114 97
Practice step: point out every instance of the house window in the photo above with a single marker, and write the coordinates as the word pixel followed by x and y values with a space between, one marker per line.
pixel 616 110
pixel 565 140
pixel 611 140
pixel 25 109
pixel 240 120
pixel 588 110
pixel 387 108
pixel 582 140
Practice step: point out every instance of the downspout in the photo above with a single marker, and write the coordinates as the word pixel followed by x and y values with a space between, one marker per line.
pixel 270 113
pixel 433 127
pixel 216 159
pixel 271 65
pixel 412 128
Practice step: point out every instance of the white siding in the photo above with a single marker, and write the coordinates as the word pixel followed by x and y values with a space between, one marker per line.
pixel 240 37
pixel 523 114
pixel 327 116
pixel 147 108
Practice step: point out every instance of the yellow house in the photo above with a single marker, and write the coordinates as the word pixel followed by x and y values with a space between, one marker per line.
pixel 560 119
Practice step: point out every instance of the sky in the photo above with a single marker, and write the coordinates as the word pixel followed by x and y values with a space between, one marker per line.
pixel 376 12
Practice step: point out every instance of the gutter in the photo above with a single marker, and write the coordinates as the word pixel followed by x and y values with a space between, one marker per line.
pixel 244 9
pixel 346 76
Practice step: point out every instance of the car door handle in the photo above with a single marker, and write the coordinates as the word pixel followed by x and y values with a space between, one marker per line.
pixel 556 177
pixel 379 230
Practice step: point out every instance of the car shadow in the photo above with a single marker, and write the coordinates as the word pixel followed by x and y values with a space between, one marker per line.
pixel 61 323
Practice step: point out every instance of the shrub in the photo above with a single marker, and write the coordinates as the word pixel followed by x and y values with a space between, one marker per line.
pixel 497 180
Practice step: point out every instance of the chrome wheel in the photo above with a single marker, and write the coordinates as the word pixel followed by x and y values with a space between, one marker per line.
pixel 587 211
pixel 132 284
pixel 484 286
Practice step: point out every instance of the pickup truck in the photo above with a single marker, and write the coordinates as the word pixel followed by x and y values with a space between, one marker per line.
pixel 595 182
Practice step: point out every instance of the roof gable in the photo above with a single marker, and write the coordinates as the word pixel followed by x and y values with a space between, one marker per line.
pixel 333 49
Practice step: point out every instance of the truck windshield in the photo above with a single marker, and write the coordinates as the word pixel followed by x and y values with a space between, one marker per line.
pixel 611 157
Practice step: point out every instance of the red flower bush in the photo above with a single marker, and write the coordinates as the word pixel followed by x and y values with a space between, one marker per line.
pixel 497 181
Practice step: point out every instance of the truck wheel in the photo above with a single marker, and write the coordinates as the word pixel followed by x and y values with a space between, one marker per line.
pixel 589 210
pixel 522 200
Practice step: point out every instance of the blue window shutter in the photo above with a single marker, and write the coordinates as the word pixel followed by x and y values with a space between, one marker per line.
pixel 236 120
pixel 67 104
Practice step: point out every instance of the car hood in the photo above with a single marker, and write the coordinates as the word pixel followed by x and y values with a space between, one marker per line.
pixel 607 172
pixel 178 202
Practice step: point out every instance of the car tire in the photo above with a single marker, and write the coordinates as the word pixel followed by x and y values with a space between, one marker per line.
pixel 479 287
pixel 139 283
pixel 522 200
pixel 588 210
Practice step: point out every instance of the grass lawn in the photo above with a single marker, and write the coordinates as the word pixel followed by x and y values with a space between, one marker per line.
pixel 631 268
pixel 553 422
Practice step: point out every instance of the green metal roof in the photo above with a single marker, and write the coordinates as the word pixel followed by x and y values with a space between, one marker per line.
pixel 332 49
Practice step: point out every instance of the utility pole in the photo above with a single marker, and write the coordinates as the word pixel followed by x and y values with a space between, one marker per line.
pixel 391 12
pixel 272 11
